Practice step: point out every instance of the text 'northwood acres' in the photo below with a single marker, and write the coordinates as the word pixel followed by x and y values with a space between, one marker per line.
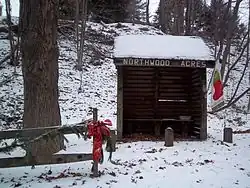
pixel 162 63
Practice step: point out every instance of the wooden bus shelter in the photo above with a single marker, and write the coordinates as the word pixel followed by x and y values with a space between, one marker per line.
pixel 162 83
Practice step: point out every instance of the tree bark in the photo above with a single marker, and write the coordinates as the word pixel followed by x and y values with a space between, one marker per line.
pixel 162 18
pixel 39 49
pixel 77 24
pixel 147 13
pixel 189 4
pixel 11 39
pixel 178 17
pixel 247 60
pixel 82 36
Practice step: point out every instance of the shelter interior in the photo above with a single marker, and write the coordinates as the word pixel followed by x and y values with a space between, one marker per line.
pixel 154 98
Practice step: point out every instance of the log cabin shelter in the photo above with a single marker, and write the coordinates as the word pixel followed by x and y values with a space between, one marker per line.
pixel 161 82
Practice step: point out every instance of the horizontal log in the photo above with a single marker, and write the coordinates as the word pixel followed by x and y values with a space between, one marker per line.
pixel 182 82
pixel 159 69
pixel 144 73
pixel 138 90
pixel 197 128
pixel 175 90
pixel 43 160
pixel 152 76
pixel 196 97
pixel 131 109
pixel 131 82
pixel 138 114
pixel 196 105
pixel 173 86
pixel 172 77
pixel 127 97
pixel 177 96
pixel 174 69
pixel 135 68
pixel 138 86
pixel 138 77
pixel 181 75
pixel 196 71
pixel 196 132
pixel 179 107
pixel 196 117
pixel 141 95
pixel 173 110
pixel 138 102
pixel 158 120
pixel 138 117
pixel 196 80
pixel 34 132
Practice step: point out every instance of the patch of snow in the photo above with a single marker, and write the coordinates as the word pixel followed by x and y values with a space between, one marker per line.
pixel 210 163
pixel 162 47
pixel 153 6
pixel 14 7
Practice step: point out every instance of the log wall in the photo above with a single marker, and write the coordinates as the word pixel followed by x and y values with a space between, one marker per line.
pixel 160 93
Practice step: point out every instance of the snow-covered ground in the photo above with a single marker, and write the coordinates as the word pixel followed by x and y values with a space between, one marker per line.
pixel 142 164
pixel 211 163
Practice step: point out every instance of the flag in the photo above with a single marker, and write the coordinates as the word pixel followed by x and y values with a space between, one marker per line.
pixel 217 87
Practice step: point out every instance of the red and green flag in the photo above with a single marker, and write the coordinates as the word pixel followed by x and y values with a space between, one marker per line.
pixel 217 87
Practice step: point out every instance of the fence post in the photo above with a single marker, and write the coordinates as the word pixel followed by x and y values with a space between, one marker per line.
pixel 95 164
pixel 169 137
pixel 228 135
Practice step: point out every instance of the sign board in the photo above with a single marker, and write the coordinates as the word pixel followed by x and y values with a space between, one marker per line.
pixel 164 63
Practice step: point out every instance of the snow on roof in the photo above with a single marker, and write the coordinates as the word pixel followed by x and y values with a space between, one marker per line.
pixel 162 47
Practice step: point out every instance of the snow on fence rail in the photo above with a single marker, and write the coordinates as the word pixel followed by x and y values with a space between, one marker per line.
pixel 36 134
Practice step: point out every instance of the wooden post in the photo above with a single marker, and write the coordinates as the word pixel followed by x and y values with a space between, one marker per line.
pixel 203 130
pixel 169 137
pixel 228 135
pixel 95 164
pixel 113 139
pixel 95 114
pixel 157 128
pixel 119 102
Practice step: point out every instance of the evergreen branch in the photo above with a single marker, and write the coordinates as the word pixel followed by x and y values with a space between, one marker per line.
pixel 50 135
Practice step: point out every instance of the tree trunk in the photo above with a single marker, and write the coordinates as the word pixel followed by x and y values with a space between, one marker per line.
pixel 1 9
pixel 247 60
pixel 147 13
pixel 11 39
pixel 179 17
pixel 82 36
pixel 39 48
pixel 162 18
pixel 231 27
pixel 188 17
pixel 77 24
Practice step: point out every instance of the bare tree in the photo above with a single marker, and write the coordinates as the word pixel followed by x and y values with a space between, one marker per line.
pixel 80 44
pixel 229 35
pixel 77 23
pixel 11 38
